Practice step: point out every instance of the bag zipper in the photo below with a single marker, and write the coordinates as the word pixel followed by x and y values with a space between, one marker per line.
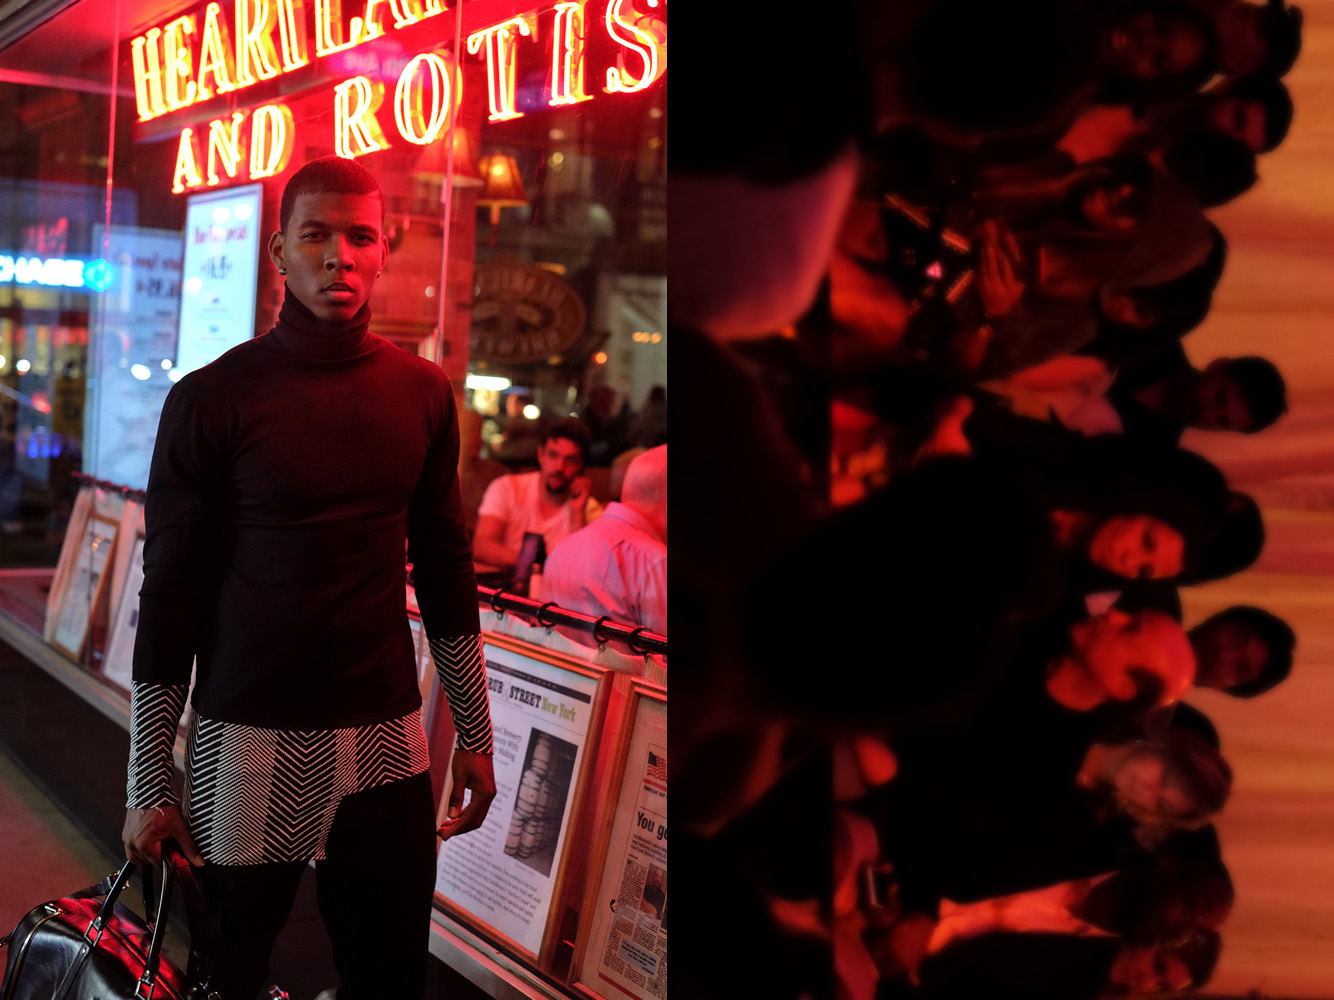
pixel 51 911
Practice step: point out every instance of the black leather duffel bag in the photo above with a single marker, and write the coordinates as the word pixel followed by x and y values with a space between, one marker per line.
pixel 90 947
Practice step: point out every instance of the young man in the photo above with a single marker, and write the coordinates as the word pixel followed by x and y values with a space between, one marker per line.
pixel 552 501
pixel 287 477
pixel 1242 651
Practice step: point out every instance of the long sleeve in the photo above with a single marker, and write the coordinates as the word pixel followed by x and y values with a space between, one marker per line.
pixel 182 541
pixel 462 670
pixel 446 586
pixel 155 712
pixel 180 565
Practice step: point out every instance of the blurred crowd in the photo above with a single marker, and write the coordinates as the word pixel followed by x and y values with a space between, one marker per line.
pixel 938 747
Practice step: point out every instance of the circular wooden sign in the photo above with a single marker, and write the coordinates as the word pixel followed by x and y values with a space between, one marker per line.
pixel 523 314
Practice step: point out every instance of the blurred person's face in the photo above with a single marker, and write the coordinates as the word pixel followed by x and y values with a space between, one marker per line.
pixel 1242 47
pixel 1146 968
pixel 1243 120
pixel 1227 653
pixel 1147 786
pixel 1105 649
pixel 1218 403
pixel 1151 44
pixel 334 248
pixel 1111 207
pixel 1137 546
pixel 559 461
pixel 1121 307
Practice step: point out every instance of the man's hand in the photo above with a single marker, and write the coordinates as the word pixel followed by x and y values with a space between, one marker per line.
pixel 472 772
pixel 146 829
pixel 579 487
pixel 998 278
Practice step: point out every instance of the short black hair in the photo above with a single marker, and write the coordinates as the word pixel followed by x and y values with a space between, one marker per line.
pixel 1282 29
pixel 1215 167
pixel 1262 384
pixel 1271 94
pixel 1277 635
pixel 570 429
pixel 1236 544
pixel 327 175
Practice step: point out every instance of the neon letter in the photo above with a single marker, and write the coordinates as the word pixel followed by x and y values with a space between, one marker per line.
pixel 177 61
pixel 499 41
pixel 647 42
pixel 370 20
pixel 254 44
pixel 224 142
pixel 567 55
pixel 271 134
pixel 407 12
pixel 186 174
pixel 413 124
pixel 356 132
pixel 148 75
pixel 292 31
pixel 329 28
pixel 215 56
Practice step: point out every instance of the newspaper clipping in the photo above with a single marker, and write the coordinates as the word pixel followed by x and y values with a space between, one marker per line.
pixel 627 950
pixel 505 872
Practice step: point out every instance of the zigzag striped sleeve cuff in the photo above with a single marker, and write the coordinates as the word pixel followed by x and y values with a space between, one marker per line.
pixel 462 670
pixel 155 712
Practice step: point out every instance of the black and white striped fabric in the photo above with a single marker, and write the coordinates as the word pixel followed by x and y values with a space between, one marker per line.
pixel 155 712
pixel 263 795
pixel 462 670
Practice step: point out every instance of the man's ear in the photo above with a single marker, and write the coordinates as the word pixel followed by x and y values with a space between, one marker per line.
pixel 384 252
pixel 275 248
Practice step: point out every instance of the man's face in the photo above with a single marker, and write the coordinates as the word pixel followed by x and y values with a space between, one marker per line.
pixel 1243 120
pixel 1111 208
pixel 1218 403
pixel 1145 968
pixel 560 461
pixel 334 248
pixel 1150 45
pixel 1121 307
pixel 1106 648
pixel 1227 653
pixel 1137 546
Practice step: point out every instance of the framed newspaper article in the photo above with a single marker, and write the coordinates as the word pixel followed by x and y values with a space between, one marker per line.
pixel 69 550
pixel 505 879
pixel 86 586
pixel 623 947
pixel 118 665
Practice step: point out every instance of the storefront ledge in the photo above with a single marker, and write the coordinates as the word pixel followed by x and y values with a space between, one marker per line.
pixel 491 971
pixel 112 703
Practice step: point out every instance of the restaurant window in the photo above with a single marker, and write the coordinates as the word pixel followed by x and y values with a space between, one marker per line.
pixel 521 151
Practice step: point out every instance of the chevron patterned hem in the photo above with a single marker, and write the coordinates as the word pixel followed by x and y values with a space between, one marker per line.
pixel 255 796
pixel 462 671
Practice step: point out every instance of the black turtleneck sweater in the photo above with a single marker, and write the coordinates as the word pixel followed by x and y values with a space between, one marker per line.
pixel 286 479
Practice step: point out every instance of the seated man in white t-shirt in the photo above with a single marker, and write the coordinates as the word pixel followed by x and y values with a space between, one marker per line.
pixel 553 501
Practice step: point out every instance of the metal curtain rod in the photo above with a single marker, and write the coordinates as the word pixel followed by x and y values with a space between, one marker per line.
pixel 603 629
pixel 102 484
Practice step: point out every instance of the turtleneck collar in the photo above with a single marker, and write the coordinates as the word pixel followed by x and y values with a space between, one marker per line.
pixel 302 334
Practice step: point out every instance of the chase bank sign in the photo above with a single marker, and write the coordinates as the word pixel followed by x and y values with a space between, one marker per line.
pixel 56 272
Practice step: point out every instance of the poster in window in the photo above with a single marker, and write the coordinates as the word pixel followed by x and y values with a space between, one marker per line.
pixel 219 274
pixel 86 586
pixel 624 949
pixel 506 875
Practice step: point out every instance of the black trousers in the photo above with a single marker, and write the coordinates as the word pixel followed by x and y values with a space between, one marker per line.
pixel 374 889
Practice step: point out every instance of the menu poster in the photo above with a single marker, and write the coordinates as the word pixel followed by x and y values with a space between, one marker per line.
pixel 625 951
pixel 220 272
pixel 86 585
pixel 132 350
pixel 119 663
pixel 506 873
pixel 427 681
pixel 69 552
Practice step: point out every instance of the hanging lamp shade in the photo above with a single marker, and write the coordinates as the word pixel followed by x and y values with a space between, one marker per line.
pixel 502 187
pixel 434 159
